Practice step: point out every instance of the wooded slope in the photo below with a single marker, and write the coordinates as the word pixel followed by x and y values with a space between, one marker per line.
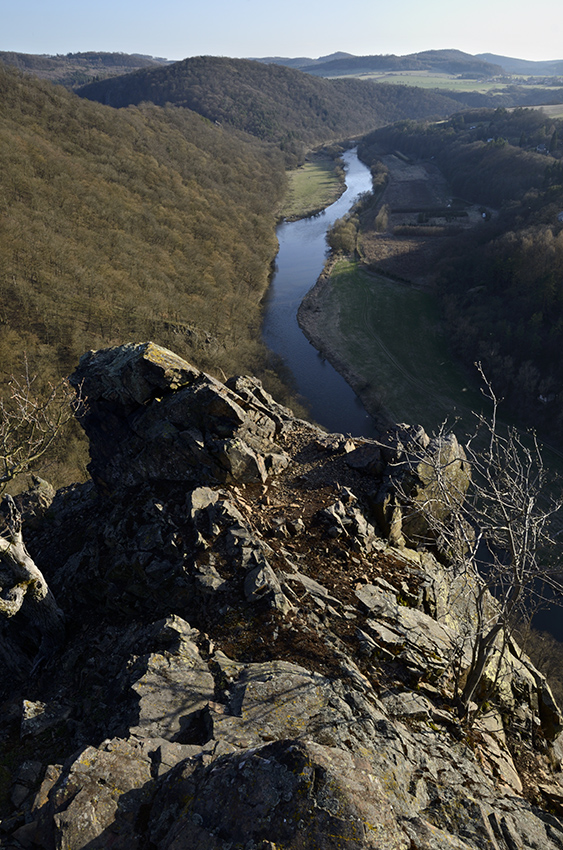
pixel 76 69
pixel 271 101
pixel 145 223
pixel 502 284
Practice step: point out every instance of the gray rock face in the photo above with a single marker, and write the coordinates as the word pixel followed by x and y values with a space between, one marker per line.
pixel 288 794
pixel 150 416
pixel 410 478
pixel 174 689
pixel 249 665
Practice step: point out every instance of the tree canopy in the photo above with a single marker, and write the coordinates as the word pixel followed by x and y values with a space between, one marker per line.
pixel 271 101
pixel 144 223
pixel 501 285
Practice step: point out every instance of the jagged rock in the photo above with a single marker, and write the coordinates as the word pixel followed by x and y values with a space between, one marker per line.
pixel 409 501
pixel 281 700
pixel 150 416
pixel 237 674
pixel 261 582
pixel 39 716
pixel 310 586
pixel 348 520
pixel 410 706
pixel 286 794
pixel 174 689
pixel 95 801
pixel 35 501
pixel 366 457
pixel 495 752
pixel 554 795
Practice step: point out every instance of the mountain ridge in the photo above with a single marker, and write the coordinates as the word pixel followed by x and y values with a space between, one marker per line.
pixel 450 60
pixel 271 101
pixel 75 69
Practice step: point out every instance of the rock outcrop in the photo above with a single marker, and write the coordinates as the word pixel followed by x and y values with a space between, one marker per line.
pixel 151 417
pixel 250 662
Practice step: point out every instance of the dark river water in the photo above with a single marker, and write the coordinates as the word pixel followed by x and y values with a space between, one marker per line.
pixel 300 261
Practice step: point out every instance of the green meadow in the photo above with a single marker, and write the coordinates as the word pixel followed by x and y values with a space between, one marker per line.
pixel 391 336
pixel 431 80
pixel 312 187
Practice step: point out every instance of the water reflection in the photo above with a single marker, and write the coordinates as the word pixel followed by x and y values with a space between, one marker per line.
pixel 300 261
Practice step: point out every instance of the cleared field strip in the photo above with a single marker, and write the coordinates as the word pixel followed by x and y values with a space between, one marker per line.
pixel 390 337
pixel 312 187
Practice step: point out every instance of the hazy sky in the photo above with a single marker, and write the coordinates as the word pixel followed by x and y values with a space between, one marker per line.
pixel 175 29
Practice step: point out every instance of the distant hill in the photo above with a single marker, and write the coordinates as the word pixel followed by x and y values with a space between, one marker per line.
pixel 552 68
pixel 444 61
pixel 76 69
pixel 301 62
pixel 271 101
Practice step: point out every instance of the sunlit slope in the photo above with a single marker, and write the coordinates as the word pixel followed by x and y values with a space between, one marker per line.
pixel 132 224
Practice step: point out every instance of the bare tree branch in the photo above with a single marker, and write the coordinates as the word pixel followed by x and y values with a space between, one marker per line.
pixel 30 423
pixel 496 536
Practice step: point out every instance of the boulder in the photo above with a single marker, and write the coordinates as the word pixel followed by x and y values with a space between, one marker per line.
pixel 150 416
pixel 422 480
pixel 289 794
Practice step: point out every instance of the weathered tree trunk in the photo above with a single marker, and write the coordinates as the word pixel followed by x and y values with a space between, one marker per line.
pixel 24 588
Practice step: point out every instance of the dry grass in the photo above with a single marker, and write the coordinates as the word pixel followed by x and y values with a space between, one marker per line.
pixel 312 187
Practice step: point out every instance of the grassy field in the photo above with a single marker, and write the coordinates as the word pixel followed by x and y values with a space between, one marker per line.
pixel 553 110
pixel 312 187
pixel 429 80
pixel 451 82
pixel 390 336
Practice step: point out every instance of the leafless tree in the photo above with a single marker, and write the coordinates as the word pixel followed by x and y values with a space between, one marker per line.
pixel 29 425
pixel 31 422
pixel 497 537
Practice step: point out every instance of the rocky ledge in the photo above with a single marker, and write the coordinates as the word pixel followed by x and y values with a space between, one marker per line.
pixel 255 653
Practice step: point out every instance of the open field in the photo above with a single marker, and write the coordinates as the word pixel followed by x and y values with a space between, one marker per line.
pixel 430 80
pixel 387 340
pixel 406 249
pixel 454 83
pixel 312 187
pixel 554 110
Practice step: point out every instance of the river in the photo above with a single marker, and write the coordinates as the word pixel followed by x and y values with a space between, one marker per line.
pixel 331 401
pixel 300 261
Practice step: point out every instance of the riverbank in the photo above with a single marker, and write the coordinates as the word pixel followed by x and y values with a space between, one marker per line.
pixel 377 321
pixel 315 185
pixel 386 339
pixel 318 317
pixel 301 258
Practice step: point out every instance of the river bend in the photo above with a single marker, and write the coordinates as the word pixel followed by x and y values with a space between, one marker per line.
pixel 300 261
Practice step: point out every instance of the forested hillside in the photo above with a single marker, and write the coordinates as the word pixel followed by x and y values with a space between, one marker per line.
pixel 502 285
pixel 443 61
pixel 270 101
pixel 76 69
pixel 154 222
pixel 133 224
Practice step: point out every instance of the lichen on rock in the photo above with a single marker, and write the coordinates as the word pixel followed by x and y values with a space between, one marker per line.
pixel 250 661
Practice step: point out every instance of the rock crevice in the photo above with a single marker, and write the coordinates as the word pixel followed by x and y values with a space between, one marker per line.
pixel 254 658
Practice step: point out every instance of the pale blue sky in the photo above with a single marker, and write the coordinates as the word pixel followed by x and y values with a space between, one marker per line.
pixel 178 28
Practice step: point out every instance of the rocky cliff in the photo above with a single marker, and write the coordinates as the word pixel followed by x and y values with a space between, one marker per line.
pixel 253 656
